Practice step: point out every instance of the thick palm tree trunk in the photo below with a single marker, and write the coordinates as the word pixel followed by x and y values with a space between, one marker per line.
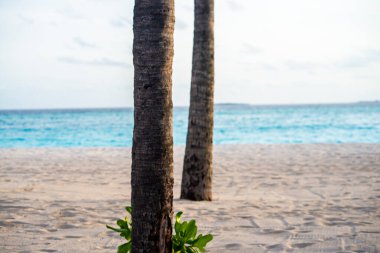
pixel 152 151
pixel 197 168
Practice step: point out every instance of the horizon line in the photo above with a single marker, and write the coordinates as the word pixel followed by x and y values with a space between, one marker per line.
pixel 186 106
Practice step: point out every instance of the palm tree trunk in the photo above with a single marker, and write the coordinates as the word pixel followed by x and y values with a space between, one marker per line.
pixel 152 151
pixel 197 168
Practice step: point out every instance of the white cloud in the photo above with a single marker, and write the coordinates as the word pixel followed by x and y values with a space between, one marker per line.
pixel 95 62
pixel 84 44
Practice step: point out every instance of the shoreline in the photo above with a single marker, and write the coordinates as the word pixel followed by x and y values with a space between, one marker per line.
pixel 267 198
pixel 216 145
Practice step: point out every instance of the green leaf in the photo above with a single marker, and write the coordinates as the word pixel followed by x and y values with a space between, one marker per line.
pixel 122 223
pixel 115 229
pixel 178 216
pixel 124 248
pixel 180 227
pixel 129 209
pixel 191 230
pixel 191 250
pixel 184 226
pixel 201 242
pixel 177 227
pixel 127 235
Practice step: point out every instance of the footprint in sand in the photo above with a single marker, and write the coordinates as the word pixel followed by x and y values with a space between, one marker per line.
pixel 73 236
pixel 66 226
pixel 53 238
pixel 274 247
pixel 233 246
pixel 302 245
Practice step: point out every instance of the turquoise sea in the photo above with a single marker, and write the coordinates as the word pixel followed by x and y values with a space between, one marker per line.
pixel 345 123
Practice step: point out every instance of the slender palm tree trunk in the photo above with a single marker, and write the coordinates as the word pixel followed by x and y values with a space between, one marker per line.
pixel 152 151
pixel 197 168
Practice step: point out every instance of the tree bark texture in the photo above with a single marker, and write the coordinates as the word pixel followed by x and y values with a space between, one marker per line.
pixel 197 169
pixel 152 150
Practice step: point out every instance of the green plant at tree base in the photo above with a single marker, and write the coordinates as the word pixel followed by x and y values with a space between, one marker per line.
pixel 125 230
pixel 184 241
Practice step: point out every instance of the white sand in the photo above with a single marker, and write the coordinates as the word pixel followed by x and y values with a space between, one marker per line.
pixel 268 198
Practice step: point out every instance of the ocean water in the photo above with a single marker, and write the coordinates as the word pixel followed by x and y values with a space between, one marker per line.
pixel 349 123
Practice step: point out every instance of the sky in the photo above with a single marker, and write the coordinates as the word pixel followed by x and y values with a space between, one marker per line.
pixel 78 53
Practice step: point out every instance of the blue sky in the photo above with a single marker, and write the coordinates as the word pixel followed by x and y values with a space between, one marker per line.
pixel 78 53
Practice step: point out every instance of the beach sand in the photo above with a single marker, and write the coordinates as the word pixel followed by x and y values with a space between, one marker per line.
pixel 267 198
